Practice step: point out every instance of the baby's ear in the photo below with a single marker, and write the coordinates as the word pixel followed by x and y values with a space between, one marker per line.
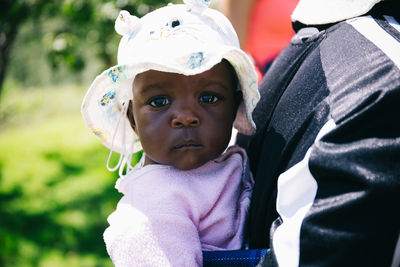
pixel 130 115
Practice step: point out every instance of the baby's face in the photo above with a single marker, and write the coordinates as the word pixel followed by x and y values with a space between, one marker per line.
pixel 184 121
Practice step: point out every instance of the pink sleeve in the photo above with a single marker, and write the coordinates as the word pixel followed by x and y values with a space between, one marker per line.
pixel 151 239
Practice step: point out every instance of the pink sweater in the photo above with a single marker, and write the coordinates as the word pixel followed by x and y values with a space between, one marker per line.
pixel 168 216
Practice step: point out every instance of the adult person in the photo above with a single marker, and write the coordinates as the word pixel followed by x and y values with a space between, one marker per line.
pixel 326 155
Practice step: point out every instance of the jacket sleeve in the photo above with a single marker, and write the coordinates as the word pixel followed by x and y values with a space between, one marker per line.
pixel 339 206
pixel 353 219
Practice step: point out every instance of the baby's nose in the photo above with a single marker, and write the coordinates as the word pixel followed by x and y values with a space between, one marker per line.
pixel 185 119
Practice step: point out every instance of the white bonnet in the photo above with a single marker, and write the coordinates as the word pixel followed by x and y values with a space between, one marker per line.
pixel 188 39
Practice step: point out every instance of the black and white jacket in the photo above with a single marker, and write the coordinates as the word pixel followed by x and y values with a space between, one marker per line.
pixel 326 155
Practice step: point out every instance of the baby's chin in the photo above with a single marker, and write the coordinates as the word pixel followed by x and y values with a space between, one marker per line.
pixel 188 160
pixel 186 165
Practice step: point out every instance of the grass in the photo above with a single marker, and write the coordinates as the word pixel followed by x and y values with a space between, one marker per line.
pixel 55 192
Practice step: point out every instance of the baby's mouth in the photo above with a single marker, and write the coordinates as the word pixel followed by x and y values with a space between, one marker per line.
pixel 187 145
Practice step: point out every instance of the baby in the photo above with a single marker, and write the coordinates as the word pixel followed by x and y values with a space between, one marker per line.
pixel 180 85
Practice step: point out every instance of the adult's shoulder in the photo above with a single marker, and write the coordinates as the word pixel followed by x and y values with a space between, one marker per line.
pixel 361 63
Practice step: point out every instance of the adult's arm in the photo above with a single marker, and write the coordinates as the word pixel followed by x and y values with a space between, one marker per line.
pixel 338 206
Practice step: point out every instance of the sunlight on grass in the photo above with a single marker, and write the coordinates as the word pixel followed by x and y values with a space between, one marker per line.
pixel 53 180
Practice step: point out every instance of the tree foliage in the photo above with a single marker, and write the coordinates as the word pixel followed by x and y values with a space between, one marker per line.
pixel 65 26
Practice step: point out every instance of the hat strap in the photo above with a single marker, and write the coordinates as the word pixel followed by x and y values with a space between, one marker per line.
pixel 125 158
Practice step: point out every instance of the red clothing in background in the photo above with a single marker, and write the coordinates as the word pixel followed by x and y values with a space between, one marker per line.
pixel 269 30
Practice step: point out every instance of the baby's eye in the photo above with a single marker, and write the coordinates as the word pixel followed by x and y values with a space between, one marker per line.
pixel 208 99
pixel 159 102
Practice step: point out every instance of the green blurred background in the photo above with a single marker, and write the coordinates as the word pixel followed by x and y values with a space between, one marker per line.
pixel 55 191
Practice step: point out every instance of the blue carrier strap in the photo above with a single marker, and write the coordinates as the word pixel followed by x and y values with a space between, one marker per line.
pixel 249 257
